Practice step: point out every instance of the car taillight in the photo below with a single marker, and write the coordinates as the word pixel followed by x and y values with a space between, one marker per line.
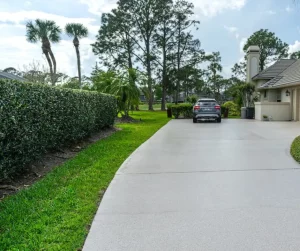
pixel 217 107
pixel 196 107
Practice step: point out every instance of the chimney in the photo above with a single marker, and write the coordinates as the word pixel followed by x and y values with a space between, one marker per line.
pixel 252 62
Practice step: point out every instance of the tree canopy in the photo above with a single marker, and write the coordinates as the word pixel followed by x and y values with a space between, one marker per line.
pixel 271 47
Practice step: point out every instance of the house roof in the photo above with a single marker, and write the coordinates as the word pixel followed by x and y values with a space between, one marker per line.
pixel 289 76
pixel 274 70
pixel 7 75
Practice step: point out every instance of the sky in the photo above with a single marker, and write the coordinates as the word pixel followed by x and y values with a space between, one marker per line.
pixel 225 25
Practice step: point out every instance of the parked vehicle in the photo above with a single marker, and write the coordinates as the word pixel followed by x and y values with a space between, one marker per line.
pixel 207 109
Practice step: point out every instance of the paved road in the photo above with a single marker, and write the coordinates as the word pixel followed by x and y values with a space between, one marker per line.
pixel 206 186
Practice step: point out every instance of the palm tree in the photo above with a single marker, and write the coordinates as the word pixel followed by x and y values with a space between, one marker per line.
pixel 77 31
pixel 45 31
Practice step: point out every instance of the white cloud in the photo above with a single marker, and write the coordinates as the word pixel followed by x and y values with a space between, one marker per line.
pixel 28 3
pixel 242 44
pixel 288 9
pixel 22 16
pixel 97 7
pixel 294 47
pixel 207 8
pixel 271 12
pixel 211 8
pixel 233 30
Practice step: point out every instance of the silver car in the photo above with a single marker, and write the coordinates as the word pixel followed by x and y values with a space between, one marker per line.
pixel 207 109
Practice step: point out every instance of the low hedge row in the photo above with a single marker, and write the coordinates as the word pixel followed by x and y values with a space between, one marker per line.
pixel 36 118
pixel 184 110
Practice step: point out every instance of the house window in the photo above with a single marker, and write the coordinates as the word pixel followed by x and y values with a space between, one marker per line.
pixel 278 95
pixel 265 94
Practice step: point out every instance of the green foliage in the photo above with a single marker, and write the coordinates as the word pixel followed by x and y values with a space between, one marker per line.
pixel 122 86
pixel 295 149
pixel 295 55
pixel 76 30
pixel 36 118
pixel 185 110
pixel 232 107
pixel 271 47
pixel 192 99
pixel 54 214
pixel 41 30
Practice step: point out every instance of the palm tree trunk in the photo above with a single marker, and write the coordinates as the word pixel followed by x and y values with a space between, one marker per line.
pixel 78 65
pixel 51 68
pixel 54 65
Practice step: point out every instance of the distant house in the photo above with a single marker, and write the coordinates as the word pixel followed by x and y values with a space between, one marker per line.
pixel 278 87
pixel 6 75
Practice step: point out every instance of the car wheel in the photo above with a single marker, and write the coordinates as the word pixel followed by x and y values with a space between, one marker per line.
pixel 219 120
pixel 194 120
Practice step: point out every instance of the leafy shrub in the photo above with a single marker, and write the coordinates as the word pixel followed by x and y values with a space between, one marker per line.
pixel 186 110
pixel 295 149
pixel 233 108
pixel 36 118
pixel 192 99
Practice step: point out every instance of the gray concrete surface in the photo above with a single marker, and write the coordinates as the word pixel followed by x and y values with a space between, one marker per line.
pixel 206 186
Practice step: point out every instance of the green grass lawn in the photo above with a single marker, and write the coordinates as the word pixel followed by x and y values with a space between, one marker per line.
pixel 54 214
pixel 144 107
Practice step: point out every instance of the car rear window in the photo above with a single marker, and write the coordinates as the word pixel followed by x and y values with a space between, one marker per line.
pixel 207 103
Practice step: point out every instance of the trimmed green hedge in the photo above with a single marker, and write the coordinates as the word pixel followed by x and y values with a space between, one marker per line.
pixel 36 118
pixel 295 149
pixel 185 110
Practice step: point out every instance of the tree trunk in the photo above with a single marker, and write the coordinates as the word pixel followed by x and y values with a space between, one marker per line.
pixel 50 67
pixel 164 77
pixel 78 65
pixel 149 74
pixel 164 95
pixel 54 66
pixel 178 65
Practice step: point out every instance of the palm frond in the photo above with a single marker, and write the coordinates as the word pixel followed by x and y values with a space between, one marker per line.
pixel 31 32
pixel 42 29
pixel 76 30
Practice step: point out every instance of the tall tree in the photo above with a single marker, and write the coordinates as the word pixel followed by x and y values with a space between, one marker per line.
pixel 77 31
pixel 187 49
pixel 145 16
pixel 271 47
pixel 239 70
pixel 45 31
pixel 164 41
pixel 214 79
pixel 115 45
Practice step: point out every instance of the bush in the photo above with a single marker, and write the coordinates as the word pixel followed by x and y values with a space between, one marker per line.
pixel 295 149
pixel 192 99
pixel 186 110
pixel 37 118
pixel 233 108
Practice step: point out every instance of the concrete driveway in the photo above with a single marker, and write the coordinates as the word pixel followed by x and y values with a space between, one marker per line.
pixel 206 186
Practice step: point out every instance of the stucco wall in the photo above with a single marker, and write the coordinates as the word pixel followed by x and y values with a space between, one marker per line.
pixel 285 98
pixel 279 111
pixel 272 95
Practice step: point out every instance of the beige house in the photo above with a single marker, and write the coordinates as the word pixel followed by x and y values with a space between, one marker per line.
pixel 278 87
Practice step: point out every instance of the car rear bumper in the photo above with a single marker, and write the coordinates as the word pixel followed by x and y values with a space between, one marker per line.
pixel 207 116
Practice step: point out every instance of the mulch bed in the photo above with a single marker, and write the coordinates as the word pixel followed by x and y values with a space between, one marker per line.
pixel 51 160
